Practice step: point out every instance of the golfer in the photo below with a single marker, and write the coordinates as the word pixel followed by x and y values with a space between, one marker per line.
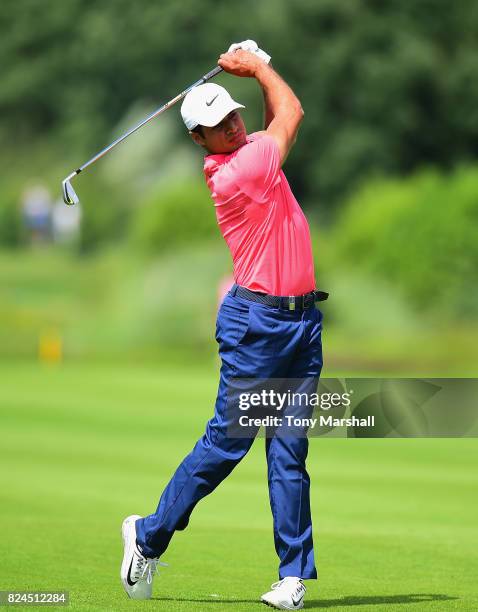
pixel 267 326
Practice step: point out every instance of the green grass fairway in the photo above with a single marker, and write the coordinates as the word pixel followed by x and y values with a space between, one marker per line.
pixel 395 521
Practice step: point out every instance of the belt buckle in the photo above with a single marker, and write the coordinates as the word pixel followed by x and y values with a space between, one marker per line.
pixel 291 302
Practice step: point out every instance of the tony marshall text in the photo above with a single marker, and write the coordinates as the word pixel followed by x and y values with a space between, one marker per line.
pixel 291 421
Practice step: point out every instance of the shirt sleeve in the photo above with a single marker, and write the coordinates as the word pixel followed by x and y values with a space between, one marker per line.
pixel 256 168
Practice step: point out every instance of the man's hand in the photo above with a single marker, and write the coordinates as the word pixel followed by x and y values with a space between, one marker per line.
pixel 283 109
pixel 240 63
pixel 252 46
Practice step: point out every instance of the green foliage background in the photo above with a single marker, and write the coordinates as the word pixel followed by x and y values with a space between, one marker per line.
pixel 386 86
pixel 419 234
pixel 384 166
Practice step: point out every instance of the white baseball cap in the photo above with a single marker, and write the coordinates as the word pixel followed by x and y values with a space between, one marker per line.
pixel 207 105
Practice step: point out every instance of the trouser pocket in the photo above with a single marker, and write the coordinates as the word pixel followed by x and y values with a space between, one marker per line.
pixel 232 322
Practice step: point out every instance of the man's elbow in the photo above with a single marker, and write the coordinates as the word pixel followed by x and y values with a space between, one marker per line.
pixel 299 111
pixel 298 114
pixel 291 111
pixel 293 114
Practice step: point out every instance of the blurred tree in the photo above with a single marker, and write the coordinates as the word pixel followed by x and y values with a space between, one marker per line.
pixel 11 227
pixel 420 235
pixel 386 86
pixel 178 215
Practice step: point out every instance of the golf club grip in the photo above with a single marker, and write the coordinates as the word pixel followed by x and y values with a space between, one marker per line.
pixel 212 73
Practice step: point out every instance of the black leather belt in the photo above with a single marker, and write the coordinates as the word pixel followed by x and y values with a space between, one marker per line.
pixel 290 302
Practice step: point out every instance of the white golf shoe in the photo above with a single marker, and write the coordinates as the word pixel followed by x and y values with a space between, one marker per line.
pixel 287 594
pixel 137 572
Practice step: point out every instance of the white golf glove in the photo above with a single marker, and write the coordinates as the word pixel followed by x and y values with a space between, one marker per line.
pixel 250 45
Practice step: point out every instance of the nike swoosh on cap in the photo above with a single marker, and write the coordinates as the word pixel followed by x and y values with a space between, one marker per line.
pixel 211 101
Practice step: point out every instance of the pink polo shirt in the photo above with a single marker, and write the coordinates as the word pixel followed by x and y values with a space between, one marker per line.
pixel 261 221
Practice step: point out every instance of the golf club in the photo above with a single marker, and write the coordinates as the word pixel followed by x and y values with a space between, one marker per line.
pixel 69 194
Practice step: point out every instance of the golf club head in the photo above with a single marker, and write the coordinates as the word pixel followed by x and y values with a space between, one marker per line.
pixel 69 194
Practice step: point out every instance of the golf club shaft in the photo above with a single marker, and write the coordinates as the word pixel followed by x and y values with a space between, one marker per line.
pixel 157 112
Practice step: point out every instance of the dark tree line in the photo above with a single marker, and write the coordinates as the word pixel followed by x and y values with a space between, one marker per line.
pixel 386 86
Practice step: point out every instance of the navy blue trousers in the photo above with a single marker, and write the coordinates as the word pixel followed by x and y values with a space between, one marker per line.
pixel 255 341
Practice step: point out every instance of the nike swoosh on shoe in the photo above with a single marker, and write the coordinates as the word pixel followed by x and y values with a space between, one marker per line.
pixel 296 603
pixel 128 577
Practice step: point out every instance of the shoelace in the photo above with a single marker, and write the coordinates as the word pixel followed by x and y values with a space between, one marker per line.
pixel 277 585
pixel 149 567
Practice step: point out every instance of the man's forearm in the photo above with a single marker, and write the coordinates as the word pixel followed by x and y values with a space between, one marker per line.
pixel 268 114
pixel 279 99
pixel 283 109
